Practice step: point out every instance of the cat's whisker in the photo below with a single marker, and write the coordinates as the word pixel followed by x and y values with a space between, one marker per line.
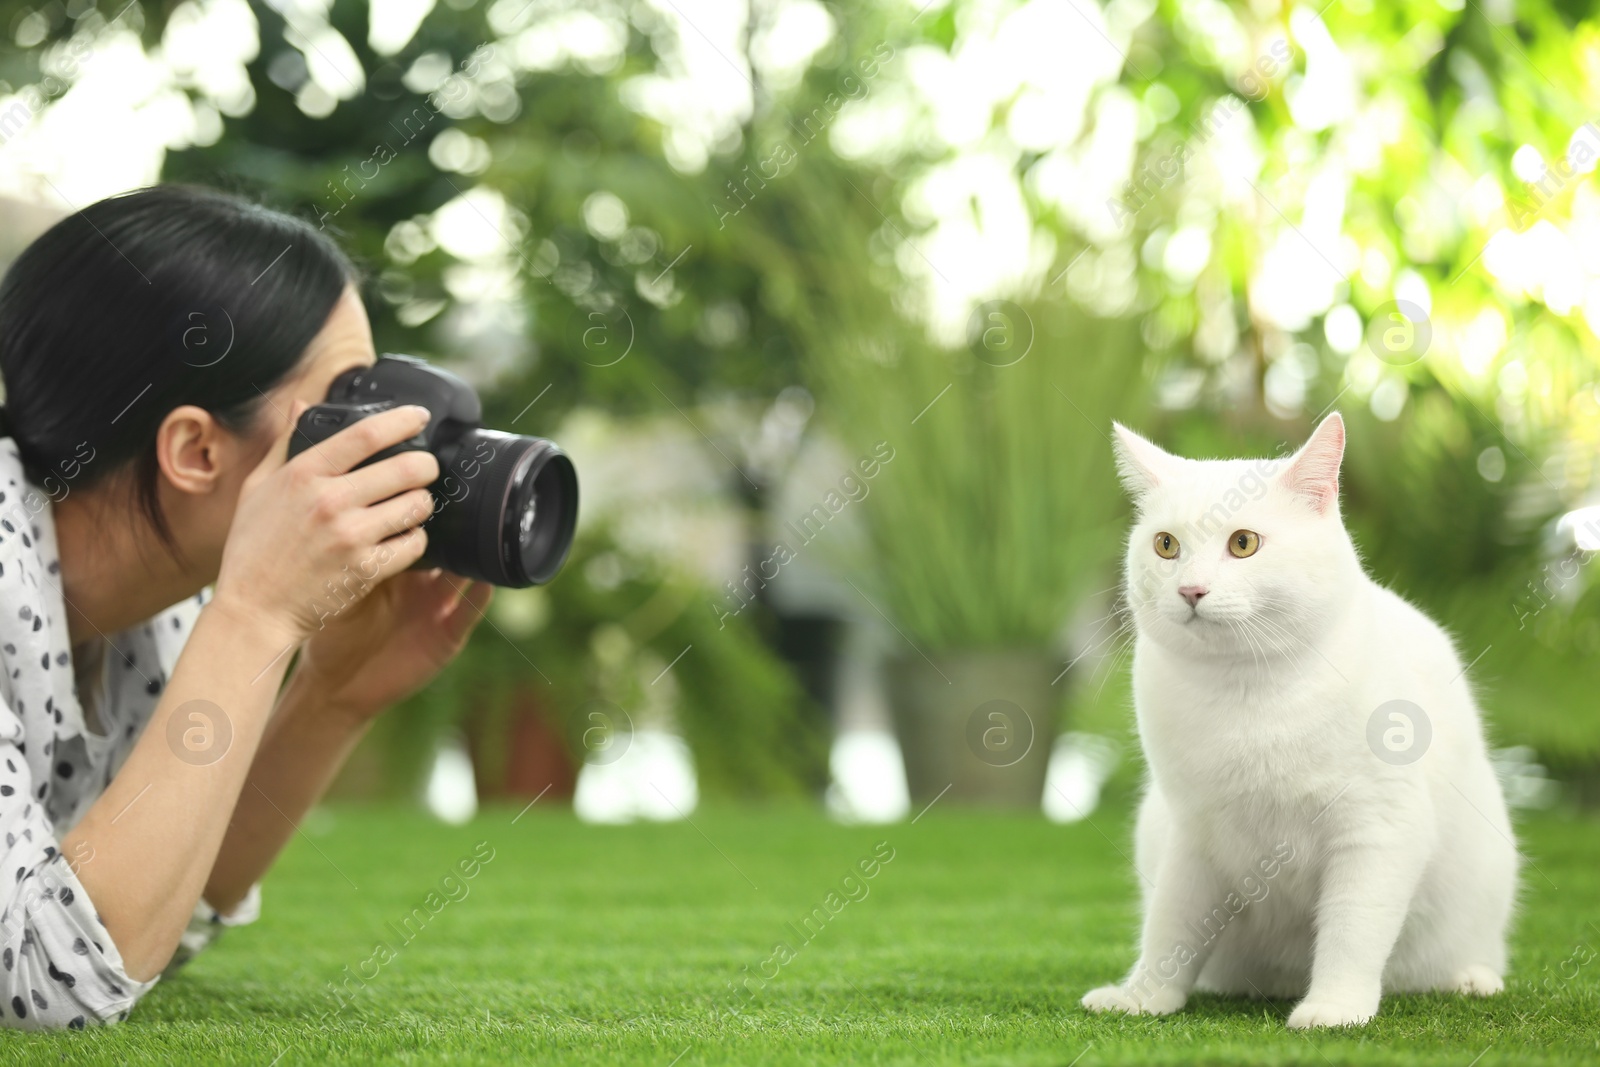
pixel 1263 661
pixel 1296 639
pixel 1264 628
pixel 1244 637
pixel 1273 649
pixel 1122 653
pixel 1124 625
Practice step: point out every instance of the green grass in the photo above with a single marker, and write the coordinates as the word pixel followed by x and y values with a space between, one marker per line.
pixel 579 944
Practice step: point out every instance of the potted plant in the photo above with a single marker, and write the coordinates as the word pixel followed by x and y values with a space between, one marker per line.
pixel 998 513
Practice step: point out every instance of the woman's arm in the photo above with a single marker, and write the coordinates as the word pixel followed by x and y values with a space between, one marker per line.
pixel 156 831
pixel 307 742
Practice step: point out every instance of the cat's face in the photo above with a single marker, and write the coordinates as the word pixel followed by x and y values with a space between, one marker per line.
pixel 1242 557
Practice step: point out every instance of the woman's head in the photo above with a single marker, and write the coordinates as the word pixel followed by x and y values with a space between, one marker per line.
pixel 166 332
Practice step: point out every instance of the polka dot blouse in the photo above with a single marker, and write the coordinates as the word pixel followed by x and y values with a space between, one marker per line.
pixel 58 966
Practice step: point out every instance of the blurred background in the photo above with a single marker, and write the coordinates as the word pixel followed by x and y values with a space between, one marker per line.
pixel 833 307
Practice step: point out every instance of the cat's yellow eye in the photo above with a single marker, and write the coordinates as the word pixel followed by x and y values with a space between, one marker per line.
pixel 1166 545
pixel 1244 543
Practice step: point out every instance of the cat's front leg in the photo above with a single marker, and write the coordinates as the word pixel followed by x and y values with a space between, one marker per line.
pixel 1176 940
pixel 1366 892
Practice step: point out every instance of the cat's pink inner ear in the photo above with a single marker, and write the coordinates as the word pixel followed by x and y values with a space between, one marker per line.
pixel 1313 473
pixel 1140 464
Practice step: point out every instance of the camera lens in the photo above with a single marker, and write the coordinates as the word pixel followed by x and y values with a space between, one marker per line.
pixel 507 509
pixel 541 514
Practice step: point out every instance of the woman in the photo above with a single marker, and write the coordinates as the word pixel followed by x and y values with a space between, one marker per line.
pixel 160 565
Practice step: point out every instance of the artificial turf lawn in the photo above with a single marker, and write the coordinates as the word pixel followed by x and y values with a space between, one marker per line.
pixel 618 945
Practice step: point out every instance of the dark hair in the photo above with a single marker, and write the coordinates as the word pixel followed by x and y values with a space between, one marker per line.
pixel 146 301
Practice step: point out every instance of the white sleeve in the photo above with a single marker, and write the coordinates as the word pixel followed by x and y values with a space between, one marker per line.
pixel 58 965
pixel 208 923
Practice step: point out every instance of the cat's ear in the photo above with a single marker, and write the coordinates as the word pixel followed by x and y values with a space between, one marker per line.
pixel 1313 473
pixel 1141 465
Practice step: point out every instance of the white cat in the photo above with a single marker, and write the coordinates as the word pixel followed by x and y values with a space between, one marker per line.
pixel 1322 818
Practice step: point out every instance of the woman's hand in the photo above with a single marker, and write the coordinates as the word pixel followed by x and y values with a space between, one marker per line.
pixel 381 650
pixel 313 536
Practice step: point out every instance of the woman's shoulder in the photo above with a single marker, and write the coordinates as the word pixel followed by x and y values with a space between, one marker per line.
pixel 29 569
pixel 32 607
pixel 23 507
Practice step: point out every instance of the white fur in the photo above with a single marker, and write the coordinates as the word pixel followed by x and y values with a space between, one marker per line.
pixel 1253 709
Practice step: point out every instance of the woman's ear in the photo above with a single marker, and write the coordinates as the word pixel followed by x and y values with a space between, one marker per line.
pixel 193 450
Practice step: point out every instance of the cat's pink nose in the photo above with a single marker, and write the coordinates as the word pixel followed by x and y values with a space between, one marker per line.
pixel 1192 593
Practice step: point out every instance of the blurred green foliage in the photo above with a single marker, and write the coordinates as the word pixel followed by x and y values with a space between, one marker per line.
pixel 613 647
pixel 999 514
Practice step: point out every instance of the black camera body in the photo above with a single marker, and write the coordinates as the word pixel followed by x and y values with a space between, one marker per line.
pixel 505 506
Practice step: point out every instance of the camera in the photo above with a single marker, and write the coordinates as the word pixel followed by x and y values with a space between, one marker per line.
pixel 505 505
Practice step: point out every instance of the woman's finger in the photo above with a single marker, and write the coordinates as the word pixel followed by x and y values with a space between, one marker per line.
pixel 397 554
pixel 468 608
pixel 478 595
pixel 355 443
pixel 396 515
pixel 380 481
pixel 443 593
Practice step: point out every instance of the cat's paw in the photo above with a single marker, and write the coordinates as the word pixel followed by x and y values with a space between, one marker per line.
pixel 1312 1014
pixel 1162 1001
pixel 1476 980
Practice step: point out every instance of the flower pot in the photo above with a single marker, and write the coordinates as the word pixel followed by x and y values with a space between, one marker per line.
pixel 976 726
